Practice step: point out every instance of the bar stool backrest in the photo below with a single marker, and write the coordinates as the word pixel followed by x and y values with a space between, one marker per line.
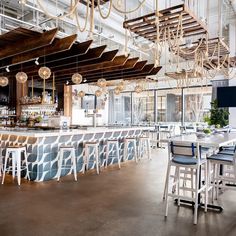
pixel 185 149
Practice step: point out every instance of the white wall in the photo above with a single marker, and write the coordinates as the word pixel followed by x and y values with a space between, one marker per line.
pixel 78 114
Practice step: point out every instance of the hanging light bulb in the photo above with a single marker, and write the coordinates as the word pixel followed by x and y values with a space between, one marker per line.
pixel 3 81
pixel 102 83
pixel 138 89
pixel 117 91
pixel 21 77
pixel 44 72
pixel 98 93
pixel 77 78
pixel 81 94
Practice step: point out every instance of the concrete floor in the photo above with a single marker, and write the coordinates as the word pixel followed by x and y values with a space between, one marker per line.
pixel 117 202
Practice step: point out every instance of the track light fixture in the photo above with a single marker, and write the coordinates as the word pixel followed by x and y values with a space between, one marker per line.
pixel 7 69
pixel 37 61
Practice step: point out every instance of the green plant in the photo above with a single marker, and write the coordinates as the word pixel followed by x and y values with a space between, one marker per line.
pixel 207 131
pixel 218 116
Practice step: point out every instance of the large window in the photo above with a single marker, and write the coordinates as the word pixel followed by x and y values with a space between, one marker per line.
pixel 122 108
pixel 169 105
pixel 143 107
pixel 161 108
pixel 197 104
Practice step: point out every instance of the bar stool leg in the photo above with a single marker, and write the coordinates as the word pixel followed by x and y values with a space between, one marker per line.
pixel 18 163
pixel 107 153
pixel 14 161
pixel 206 187
pixel 135 152
pixel 196 196
pixel 5 166
pixel 27 165
pixel 178 184
pixel 74 164
pixel 167 189
pixel 97 159
pixel 60 164
pixel 125 155
pixel 118 154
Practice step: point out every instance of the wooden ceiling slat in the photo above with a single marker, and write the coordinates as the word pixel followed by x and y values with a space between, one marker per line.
pixel 117 61
pixel 135 75
pixel 75 50
pixel 129 64
pixel 70 63
pixel 19 33
pixel 91 67
pixel 139 66
pixel 106 56
pixel 58 45
pixel 28 44
pixel 92 53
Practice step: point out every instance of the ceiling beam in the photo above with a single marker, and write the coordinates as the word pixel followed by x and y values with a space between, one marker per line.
pixel 28 44
pixel 58 45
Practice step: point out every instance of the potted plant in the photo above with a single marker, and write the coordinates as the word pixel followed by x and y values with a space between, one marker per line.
pixel 218 116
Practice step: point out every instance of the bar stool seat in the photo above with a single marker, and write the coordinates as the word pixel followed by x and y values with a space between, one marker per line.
pixel 127 141
pixel 63 149
pixel 144 147
pixel 86 158
pixel 16 166
pixel 115 143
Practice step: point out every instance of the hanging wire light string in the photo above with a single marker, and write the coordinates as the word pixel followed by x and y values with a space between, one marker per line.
pixel 82 29
pixel 72 9
pixel 129 11
pixel 92 7
pixel 100 10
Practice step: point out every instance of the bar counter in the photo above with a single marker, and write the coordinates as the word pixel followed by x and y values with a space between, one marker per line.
pixel 43 146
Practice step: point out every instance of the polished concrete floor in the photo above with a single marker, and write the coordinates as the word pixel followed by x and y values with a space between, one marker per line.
pixel 117 202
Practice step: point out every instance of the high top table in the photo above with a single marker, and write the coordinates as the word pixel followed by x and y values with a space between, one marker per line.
pixel 216 140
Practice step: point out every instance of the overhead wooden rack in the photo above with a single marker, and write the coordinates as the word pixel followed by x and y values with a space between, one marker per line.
pixel 190 74
pixel 145 26
pixel 216 47
pixel 65 57
pixel 224 64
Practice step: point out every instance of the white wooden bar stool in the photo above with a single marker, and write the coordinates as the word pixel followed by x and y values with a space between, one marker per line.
pixel 16 166
pixel 188 156
pixel 144 147
pixel 71 150
pixel 127 141
pixel 95 147
pixel 112 143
